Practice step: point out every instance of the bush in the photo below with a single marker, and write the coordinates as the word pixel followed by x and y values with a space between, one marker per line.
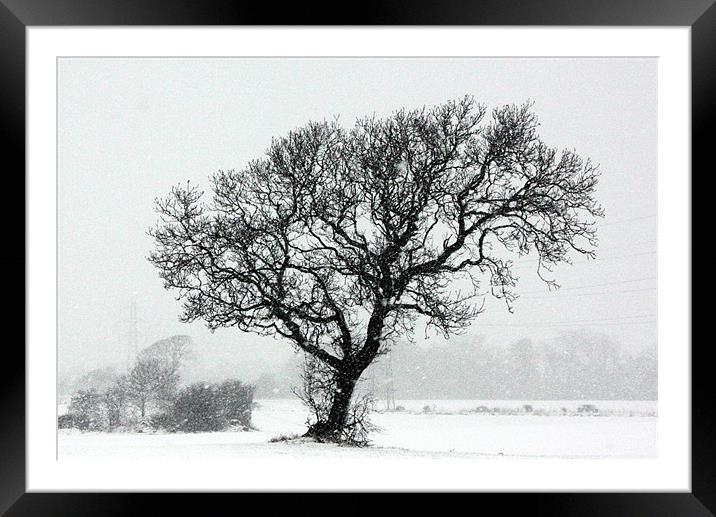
pixel 285 438
pixel 235 401
pixel 164 421
pixel 114 401
pixel 195 409
pixel 199 407
pixel 86 412
pixel 91 410
pixel 65 422
pixel 589 409
pixel 141 424
pixel 204 407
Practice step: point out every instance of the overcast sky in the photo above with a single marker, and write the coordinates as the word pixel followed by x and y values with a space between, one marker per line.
pixel 131 128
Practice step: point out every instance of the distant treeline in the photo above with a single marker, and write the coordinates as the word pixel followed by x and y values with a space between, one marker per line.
pixel 574 366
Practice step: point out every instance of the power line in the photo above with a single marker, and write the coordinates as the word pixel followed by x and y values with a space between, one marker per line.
pixel 589 294
pixel 598 259
pixel 639 243
pixel 596 285
pixel 620 319
pixel 612 257
pixel 607 319
pixel 634 244
pixel 558 325
pixel 631 219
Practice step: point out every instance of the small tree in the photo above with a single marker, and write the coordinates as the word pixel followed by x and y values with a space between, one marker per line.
pixel 171 353
pixel 98 379
pixel 154 378
pixel 338 240
pixel 114 399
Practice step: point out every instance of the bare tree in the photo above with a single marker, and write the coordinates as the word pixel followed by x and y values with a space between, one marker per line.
pixel 154 378
pixel 338 240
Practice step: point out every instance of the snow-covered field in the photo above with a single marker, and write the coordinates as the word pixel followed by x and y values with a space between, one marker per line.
pixel 449 429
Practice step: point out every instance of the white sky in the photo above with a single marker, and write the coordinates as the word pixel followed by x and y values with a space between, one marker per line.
pixel 131 128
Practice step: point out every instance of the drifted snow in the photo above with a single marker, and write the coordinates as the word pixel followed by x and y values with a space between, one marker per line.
pixel 442 433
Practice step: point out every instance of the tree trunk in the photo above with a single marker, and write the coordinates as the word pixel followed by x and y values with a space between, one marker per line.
pixel 332 429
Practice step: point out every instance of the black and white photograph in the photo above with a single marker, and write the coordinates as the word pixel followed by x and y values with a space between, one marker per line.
pixel 360 257
pixel 422 249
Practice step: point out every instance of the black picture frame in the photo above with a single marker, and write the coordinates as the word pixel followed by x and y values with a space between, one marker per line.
pixel 17 15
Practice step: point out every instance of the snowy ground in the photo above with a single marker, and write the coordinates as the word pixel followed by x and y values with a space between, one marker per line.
pixel 449 430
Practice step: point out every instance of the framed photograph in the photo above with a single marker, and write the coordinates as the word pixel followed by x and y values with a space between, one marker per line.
pixel 440 249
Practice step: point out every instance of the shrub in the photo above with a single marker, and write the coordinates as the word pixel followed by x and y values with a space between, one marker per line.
pixel 114 401
pixel 285 438
pixel 196 410
pixel 65 421
pixel 85 410
pixel 142 424
pixel 589 409
pixel 199 407
pixel 205 407
pixel 165 421
pixel 235 401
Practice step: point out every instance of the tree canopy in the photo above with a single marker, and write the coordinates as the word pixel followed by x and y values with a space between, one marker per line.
pixel 339 239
